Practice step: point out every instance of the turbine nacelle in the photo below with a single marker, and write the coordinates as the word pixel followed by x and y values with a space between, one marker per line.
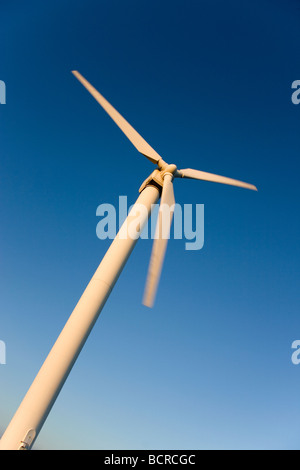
pixel 157 176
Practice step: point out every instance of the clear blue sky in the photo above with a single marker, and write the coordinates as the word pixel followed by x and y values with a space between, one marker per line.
pixel 208 84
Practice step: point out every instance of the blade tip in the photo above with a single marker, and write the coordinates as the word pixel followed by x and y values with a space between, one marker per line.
pixel 147 303
pixel 75 73
pixel 148 300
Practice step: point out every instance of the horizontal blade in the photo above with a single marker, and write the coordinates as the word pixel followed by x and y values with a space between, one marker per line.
pixel 202 175
pixel 140 144
pixel 163 228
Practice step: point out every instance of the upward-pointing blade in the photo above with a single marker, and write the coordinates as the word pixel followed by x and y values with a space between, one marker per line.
pixel 202 175
pixel 140 144
pixel 163 227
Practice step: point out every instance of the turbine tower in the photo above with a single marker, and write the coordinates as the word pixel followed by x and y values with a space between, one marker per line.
pixel 37 403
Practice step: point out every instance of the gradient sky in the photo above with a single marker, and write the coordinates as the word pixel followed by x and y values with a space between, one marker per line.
pixel 208 84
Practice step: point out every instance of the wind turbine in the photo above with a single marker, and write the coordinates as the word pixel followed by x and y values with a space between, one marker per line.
pixel 37 403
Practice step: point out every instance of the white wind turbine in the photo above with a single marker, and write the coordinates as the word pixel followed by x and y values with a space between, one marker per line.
pixel 37 403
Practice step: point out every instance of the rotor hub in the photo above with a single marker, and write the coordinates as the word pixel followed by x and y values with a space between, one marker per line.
pixel 171 169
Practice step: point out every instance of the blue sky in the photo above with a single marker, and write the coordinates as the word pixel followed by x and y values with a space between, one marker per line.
pixel 208 84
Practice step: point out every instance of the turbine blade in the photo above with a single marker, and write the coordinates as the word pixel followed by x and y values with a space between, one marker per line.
pixel 202 175
pixel 140 144
pixel 162 234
